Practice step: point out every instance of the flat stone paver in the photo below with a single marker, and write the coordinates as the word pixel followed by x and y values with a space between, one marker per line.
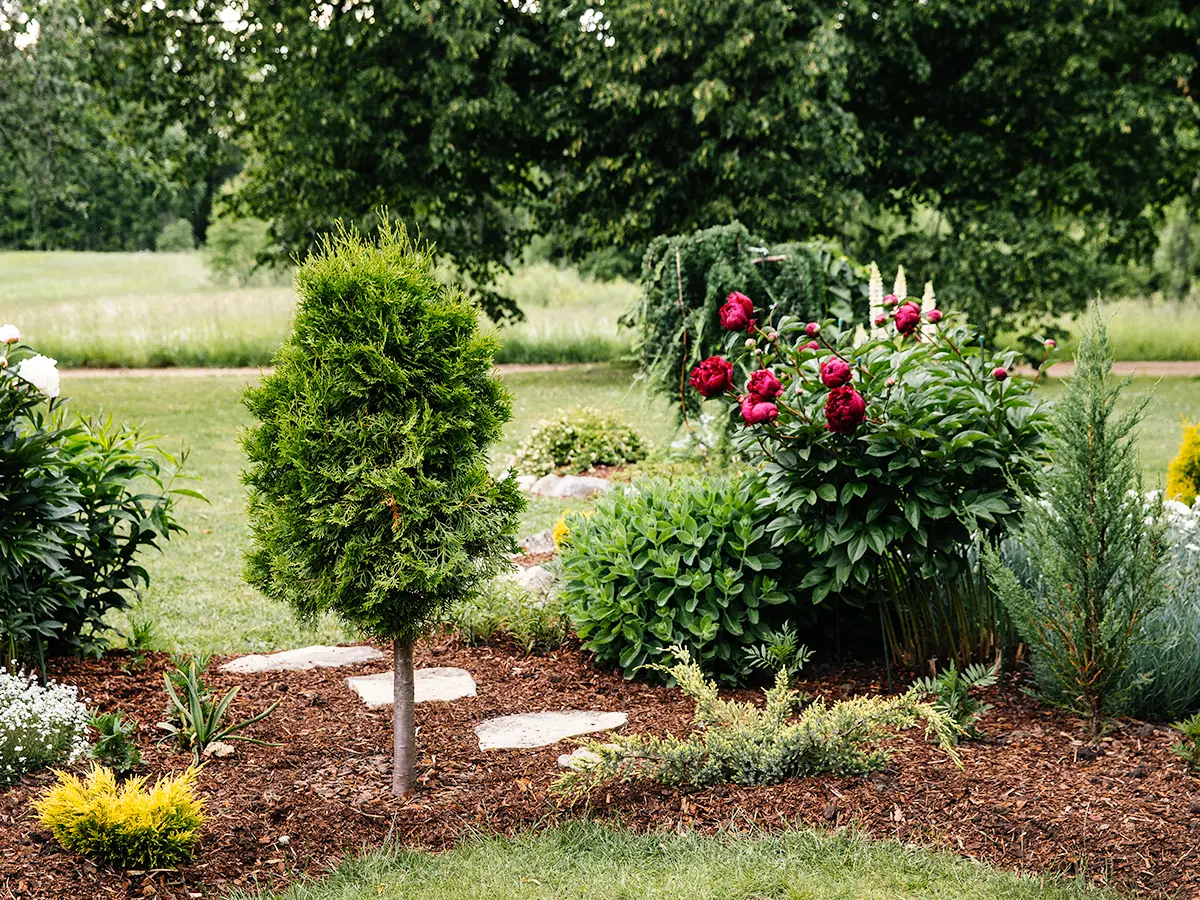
pixel 528 730
pixel 431 683
pixel 304 658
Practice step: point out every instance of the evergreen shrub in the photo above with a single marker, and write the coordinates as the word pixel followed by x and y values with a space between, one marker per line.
pixel 687 277
pixel 1183 472
pixel 370 491
pixel 128 826
pixel 577 440
pixel 176 236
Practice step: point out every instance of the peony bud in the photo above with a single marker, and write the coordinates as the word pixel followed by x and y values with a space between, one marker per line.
pixel 1051 343
pixel 812 329
pixel 999 373
pixel 880 320
pixel 934 316
pixel 812 345
pixel 835 372
pixel 750 343
pixel 907 318
pixel 890 300
pixel 891 382
pixel 9 334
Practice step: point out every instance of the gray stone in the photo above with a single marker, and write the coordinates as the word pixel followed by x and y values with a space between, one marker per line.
pixel 542 729
pixel 304 658
pixel 579 487
pixel 525 482
pixel 544 485
pixel 542 542
pixel 580 758
pixel 536 580
pixel 432 683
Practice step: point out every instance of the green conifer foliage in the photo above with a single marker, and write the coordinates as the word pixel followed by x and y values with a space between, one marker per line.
pixel 1094 543
pixel 369 489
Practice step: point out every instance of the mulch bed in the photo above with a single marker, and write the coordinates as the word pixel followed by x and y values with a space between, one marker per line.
pixel 1034 796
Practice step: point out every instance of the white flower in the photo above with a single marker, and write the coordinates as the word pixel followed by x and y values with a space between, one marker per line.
pixel 875 296
pixel 928 304
pixel 42 373
pixel 9 334
pixel 900 286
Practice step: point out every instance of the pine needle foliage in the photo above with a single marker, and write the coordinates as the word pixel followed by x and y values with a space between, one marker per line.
pixel 127 826
pixel 1094 545
pixel 741 743
pixel 370 493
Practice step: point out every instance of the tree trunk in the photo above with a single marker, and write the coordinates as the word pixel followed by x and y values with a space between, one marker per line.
pixel 404 737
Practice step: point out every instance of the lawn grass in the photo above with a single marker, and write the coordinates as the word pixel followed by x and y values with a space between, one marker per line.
pixel 589 861
pixel 136 310
pixel 1140 330
pixel 197 598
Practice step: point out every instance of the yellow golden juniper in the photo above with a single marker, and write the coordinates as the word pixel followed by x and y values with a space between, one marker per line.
pixel 1183 473
pixel 126 826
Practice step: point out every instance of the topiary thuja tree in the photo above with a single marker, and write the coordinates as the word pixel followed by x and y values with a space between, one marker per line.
pixel 369 489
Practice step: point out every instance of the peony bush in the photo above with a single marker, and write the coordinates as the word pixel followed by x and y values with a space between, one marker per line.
pixel 877 444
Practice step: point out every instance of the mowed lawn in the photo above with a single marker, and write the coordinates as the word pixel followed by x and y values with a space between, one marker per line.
pixel 197 598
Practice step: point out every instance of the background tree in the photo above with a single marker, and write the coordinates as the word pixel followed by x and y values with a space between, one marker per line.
pixel 370 494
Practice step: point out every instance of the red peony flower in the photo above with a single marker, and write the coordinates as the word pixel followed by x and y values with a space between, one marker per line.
pixel 845 410
pixel 712 377
pixel 908 317
pixel 999 373
pixel 835 372
pixel 763 385
pixel 736 313
pixel 812 329
pixel 755 411
pixel 934 316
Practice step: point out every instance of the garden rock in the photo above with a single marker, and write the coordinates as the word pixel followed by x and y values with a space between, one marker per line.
pixel 579 487
pixel 526 482
pixel 432 683
pixel 544 485
pixel 528 730
pixel 304 658
pixel 580 758
pixel 542 542
pixel 536 580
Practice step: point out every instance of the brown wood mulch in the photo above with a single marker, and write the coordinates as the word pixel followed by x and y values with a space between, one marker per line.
pixel 1033 796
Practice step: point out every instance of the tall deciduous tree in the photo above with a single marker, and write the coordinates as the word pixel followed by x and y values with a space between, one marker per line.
pixel 370 494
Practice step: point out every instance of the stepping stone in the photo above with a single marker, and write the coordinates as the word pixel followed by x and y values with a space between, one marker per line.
pixel 542 542
pixel 432 683
pixel 304 658
pixel 542 729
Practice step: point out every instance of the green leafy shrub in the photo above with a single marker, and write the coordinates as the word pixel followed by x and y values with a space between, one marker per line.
pixel 176 236
pixel 1188 749
pixel 1094 548
pixel 1164 668
pixel 83 500
pixel 951 693
pixel 115 746
pixel 370 491
pixel 687 277
pixel 741 743
pixel 128 826
pixel 876 446
pixel 577 440
pixel 199 719
pixel 39 726
pixel 780 652
pixel 664 563
pixel 509 613
pixel 234 249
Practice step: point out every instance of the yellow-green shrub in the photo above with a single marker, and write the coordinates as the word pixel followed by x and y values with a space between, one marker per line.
pixel 130 826
pixel 1183 473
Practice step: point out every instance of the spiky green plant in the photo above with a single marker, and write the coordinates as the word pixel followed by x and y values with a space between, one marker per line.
pixel 370 490
pixel 1094 544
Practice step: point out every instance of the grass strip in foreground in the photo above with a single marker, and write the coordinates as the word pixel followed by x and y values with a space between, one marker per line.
pixel 582 860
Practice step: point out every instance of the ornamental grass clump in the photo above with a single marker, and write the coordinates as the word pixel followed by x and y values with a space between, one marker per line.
pixel 370 491
pixel 128 826
pixel 876 443
pixel 741 743
pixel 40 725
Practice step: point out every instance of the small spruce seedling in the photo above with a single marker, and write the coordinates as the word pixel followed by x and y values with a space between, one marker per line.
pixel 370 494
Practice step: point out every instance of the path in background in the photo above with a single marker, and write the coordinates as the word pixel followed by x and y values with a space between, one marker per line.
pixel 1168 369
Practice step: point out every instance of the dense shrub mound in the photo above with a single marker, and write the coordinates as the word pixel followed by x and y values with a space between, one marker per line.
pixel 577 440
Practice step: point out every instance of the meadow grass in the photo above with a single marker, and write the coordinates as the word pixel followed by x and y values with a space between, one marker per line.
pixel 148 310
pixel 592 862
pixel 1140 330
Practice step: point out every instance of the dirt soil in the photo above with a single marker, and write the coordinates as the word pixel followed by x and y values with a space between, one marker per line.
pixel 1032 796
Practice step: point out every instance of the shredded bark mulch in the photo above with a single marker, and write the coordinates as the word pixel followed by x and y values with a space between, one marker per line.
pixel 1033 796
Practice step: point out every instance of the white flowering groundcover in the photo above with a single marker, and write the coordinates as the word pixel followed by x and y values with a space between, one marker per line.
pixel 39 726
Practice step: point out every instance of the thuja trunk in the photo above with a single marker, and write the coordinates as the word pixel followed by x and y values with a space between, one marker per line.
pixel 404 745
